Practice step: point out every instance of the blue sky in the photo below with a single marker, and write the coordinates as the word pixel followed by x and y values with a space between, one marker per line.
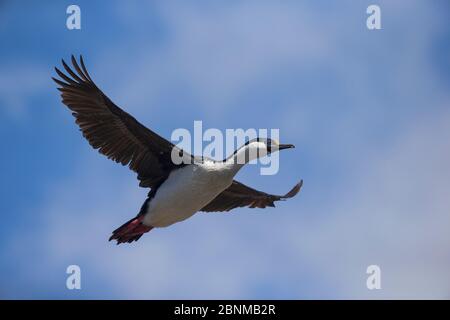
pixel 368 112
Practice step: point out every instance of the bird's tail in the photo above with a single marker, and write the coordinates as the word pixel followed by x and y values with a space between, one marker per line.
pixel 130 231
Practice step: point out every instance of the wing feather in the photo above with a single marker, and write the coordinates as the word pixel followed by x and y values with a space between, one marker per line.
pixel 112 131
pixel 239 195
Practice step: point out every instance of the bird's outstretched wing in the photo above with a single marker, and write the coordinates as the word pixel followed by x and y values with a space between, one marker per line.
pixel 112 131
pixel 239 195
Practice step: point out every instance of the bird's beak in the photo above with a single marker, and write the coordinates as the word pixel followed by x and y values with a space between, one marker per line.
pixel 285 146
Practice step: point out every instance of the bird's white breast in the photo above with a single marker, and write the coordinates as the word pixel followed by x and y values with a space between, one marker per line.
pixel 186 191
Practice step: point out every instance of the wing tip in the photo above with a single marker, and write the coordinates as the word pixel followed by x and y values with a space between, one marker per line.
pixel 293 192
pixel 80 76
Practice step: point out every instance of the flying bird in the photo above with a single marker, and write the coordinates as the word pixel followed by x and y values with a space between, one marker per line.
pixel 177 191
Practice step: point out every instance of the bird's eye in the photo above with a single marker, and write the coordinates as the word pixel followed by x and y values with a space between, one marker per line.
pixel 180 153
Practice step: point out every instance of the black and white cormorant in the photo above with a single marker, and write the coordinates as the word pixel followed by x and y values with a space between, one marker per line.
pixel 177 190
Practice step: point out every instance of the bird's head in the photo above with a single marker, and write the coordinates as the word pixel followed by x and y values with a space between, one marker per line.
pixel 259 147
pixel 273 145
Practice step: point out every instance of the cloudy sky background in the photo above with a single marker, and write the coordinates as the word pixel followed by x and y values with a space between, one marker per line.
pixel 369 113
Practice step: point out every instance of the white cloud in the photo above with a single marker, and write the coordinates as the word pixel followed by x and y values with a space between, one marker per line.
pixel 216 54
pixel 394 214
pixel 19 84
